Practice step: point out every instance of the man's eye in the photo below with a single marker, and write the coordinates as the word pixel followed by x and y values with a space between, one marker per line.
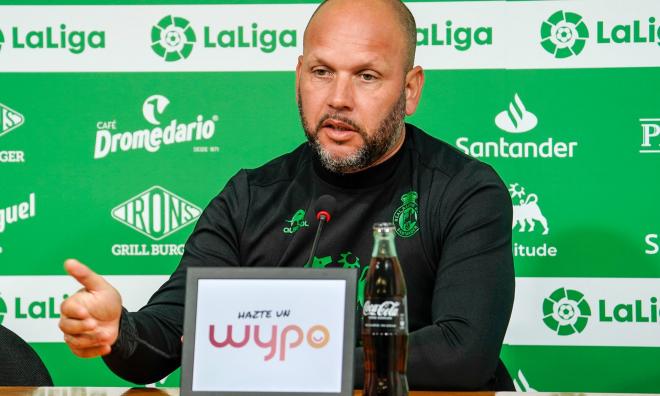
pixel 368 77
pixel 320 72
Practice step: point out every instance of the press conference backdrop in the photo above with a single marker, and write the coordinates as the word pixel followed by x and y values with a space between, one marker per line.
pixel 119 123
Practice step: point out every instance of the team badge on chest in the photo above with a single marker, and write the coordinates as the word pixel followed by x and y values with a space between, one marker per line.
pixel 406 216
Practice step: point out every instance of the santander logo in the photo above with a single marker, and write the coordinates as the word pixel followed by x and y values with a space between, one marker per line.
pixel 291 337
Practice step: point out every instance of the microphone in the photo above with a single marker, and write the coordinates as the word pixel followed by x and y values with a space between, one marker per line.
pixel 323 206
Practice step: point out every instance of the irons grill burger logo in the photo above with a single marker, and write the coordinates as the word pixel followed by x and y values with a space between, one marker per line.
pixel 156 213
pixel 273 340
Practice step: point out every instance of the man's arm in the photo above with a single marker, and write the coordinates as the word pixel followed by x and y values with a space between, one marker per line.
pixel 474 287
pixel 149 344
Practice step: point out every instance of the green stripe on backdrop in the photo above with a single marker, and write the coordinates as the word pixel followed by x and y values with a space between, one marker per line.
pixel 585 369
pixel 594 237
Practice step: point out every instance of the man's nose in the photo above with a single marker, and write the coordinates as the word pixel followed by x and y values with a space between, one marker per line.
pixel 341 95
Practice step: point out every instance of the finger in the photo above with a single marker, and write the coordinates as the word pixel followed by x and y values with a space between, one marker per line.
pixel 76 326
pixel 73 308
pixel 83 341
pixel 91 352
pixel 88 278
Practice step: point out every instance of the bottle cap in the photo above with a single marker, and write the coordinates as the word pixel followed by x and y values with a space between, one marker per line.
pixel 383 228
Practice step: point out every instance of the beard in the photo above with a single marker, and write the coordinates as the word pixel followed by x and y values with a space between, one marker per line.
pixel 375 145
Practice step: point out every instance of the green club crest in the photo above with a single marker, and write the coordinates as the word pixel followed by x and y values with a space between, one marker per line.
pixel 297 222
pixel 566 312
pixel 172 38
pixel 406 216
pixel 564 34
pixel 2 39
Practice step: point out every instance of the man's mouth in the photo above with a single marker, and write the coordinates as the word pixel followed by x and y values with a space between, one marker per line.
pixel 338 126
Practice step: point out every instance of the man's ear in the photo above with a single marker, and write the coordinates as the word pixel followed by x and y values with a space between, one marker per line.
pixel 413 88
pixel 298 71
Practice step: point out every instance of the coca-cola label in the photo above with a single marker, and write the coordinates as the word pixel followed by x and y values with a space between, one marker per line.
pixel 385 315
pixel 387 308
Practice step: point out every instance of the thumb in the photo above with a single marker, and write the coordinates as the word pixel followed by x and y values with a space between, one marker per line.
pixel 85 276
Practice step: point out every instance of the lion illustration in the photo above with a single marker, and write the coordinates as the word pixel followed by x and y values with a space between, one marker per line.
pixel 528 211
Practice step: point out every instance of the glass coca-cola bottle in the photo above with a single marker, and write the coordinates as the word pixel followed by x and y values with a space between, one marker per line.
pixel 385 319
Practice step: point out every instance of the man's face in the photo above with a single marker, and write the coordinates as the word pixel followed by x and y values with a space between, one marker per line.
pixel 351 84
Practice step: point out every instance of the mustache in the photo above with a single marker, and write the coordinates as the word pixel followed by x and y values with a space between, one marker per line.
pixel 340 118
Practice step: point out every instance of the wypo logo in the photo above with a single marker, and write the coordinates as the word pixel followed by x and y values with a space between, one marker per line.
pixel 566 312
pixel 291 336
pixel 151 139
pixel 172 38
pixel 156 213
pixel 526 216
pixel 516 120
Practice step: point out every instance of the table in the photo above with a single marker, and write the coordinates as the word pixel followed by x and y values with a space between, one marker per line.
pixel 77 391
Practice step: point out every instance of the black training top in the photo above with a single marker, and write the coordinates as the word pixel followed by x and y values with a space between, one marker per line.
pixel 453 221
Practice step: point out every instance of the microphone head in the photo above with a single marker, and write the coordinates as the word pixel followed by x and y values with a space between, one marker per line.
pixel 324 205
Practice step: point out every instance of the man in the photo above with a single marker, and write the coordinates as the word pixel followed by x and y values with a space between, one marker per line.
pixel 355 82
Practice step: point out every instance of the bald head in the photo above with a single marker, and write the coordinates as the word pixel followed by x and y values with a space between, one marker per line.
pixel 394 14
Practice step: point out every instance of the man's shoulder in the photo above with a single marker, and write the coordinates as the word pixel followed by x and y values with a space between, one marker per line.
pixel 437 155
pixel 280 169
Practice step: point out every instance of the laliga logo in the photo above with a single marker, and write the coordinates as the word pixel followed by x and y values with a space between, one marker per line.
pixel 317 337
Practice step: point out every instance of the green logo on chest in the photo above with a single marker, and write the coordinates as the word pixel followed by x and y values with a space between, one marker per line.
pixel 297 222
pixel 406 216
